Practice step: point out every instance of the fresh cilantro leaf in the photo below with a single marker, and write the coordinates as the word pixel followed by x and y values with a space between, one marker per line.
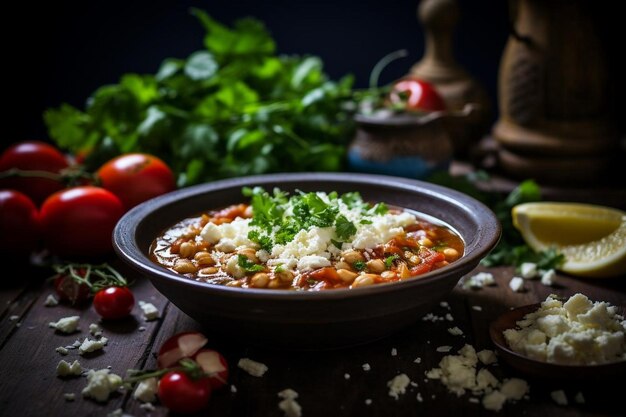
pixel 389 260
pixel 352 199
pixel 365 221
pixel 379 208
pixel 247 265
pixel 337 243
pixel 279 268
pixel 359 265
pixel 264 241
pixel 344 228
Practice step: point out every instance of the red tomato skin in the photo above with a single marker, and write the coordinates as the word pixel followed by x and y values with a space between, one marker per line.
pixel 136 177
pixel 181 394
pixel 78 222
pixel 220 378
pixel 114 303
pixel 422 96
pixel 19 224
pixel 33 156
pixel 71 291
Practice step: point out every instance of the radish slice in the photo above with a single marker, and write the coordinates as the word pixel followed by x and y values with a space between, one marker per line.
pixel 180 346
pixel 214 364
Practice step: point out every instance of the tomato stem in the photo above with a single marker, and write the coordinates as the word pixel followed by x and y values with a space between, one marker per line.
pixel 105 275
pixel 383 63
pixel 69 176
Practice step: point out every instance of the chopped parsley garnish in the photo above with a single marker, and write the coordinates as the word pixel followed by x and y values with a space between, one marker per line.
pixel 389 260
pixel 279 268
pixel 247 265
pixel 359 265
pixel 379 208
pixel 337 243
pixel 344 227
pixel 264 241
pixel 365 221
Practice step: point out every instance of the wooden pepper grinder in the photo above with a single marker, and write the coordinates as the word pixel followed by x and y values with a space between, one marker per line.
pixel 554 95
pixel 456 86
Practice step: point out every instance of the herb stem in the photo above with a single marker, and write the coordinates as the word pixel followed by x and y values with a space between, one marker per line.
pixel 383 63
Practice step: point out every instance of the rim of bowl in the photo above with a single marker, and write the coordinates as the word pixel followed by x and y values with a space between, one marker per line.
pixel 127 248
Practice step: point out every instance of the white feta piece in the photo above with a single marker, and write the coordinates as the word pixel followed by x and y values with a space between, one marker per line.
pixel 66 369
pixel 579 398
pixel 528 270
pixel 494 401
pixel 69 396
pixel 89 345
pixel 487 356
pixel 517 284
pixel 473 400
pixel 211 233
pixel 254 368
pixel 51 301
pixel 311 262
pixel 63 351
pixel 397 385
pixel 419 397
pixel 346 376
pixel 559 397
pixel 477 308
pixel 233 389
pixel 101 384
pixel 368 401
pixel 150 312
pixel 444 349
pixel 485 379
pixel 479 280
pixel 65 324
pixel 146 390
pixel 445 304
pixel 14 318
pixel 394 352
pixel 514 388
pixel 95 330
pixel 455 331
pixel 547 278
pixel 449 317
pixel 289 405
pixel 366 367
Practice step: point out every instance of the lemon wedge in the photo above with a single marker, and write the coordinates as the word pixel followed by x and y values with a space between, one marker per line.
pixel 592 238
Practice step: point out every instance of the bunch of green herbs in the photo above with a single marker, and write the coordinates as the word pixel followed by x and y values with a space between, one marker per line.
pixel 235 108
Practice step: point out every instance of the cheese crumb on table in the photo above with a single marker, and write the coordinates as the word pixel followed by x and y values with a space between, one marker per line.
pixel 101 384
pixel 487 356
pixel 146 390
pixel 528 270
pixel 579 398
pixel 150 312
pixel 517 284
pixel 89 345
pixel 514 388
pixel 577 332
pixel 346 376
pixel 95 330
pixel 547 278
pixel 69 396
pixel 368 401
pixel 366 367
pixel 397 385
pixel 559 397
pixel 418 360
pixel 444 349
pixel 67 369
pixel 479 280
pixel 419 397
pixel 455 331
pixel 449 317
pixel 477 308
pixel 51 301
pixel 63 351
pixel 254 368
pixel 289 405
pixel 494 401
pixel 233 389
pixel 65 324
pixel 14 318
pixel 394 352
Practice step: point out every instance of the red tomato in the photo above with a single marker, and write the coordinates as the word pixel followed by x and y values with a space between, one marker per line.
pixel 19 224
pixel 33 156
pixel 114 302
pixel 417 95
pixel 136 177
pixel 213 364
pixel 181 345
pixel 71 291
pixel 78 222
pixel 181 394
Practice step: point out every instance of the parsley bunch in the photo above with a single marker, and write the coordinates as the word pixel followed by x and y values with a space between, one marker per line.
pixel 235 108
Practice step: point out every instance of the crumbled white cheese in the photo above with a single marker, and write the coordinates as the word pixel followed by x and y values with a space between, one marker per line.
pixel 142 328
pixel 63 351
pixel 311 262
pixel 233 389
pixel 479 280
pixel 418 360
pixel 579 398
pixel 514 388
pixel 487 356
pixel 559 397
pixel 51 301
pixel 397 385
pixel 14 318
pixel 150 312
pixel 455 331
pixel 494 401
pixel 547 278
pixel 477 308
pixel 484 380
pixel 346 376
pixel 394 352
pixel 449 317
pixel 366 367
pixel 517 284
pixel 67 369
pixel 254 368
pixel 577 332
pixel 368 401
pixel 66 324
pixel 146 390
pixel 444 349
pixel 419 397
pixel 89 345
pixel 474 400
pixel 445 304
pixel 528 270
pixel 95 330
pixel 288 404
pixel 69 396
pixel 101 384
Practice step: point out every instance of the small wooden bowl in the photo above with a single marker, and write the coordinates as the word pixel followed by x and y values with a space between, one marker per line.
pixel 546 370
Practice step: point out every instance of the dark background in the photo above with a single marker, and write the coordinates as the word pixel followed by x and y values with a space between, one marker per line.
pixel 62 51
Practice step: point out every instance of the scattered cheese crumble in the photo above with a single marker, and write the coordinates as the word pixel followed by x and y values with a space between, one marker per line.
pixel 455 331
pixel 67 369
pixel 150 312
pixel 254 368
pixel 559 397
pixel 479 280
pixel 69 396
pixel 577 332
pixel 51 301
pixel 528 270
pixel 288 404
pixel 66 324
pixel 101 384
pixel 63 351
pixel 398 385
pixel 146 390
pixel 547 278
pixel 517 284
pixel 95 330
pixel 89 345
pixel 366 367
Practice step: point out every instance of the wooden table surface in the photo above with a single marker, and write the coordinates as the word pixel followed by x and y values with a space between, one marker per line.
pixel 29 385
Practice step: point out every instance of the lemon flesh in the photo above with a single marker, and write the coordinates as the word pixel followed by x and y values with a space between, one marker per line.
pixel 592 238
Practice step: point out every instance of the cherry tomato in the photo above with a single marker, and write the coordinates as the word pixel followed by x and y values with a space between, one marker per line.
pixel 181 394
pixel 181 345
pixel 33 156
pixel 213 364
pixel 19 224
pixel 136 177
pixel 78 222
pixel 416 95
pixel 71 291
pixel 114 302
